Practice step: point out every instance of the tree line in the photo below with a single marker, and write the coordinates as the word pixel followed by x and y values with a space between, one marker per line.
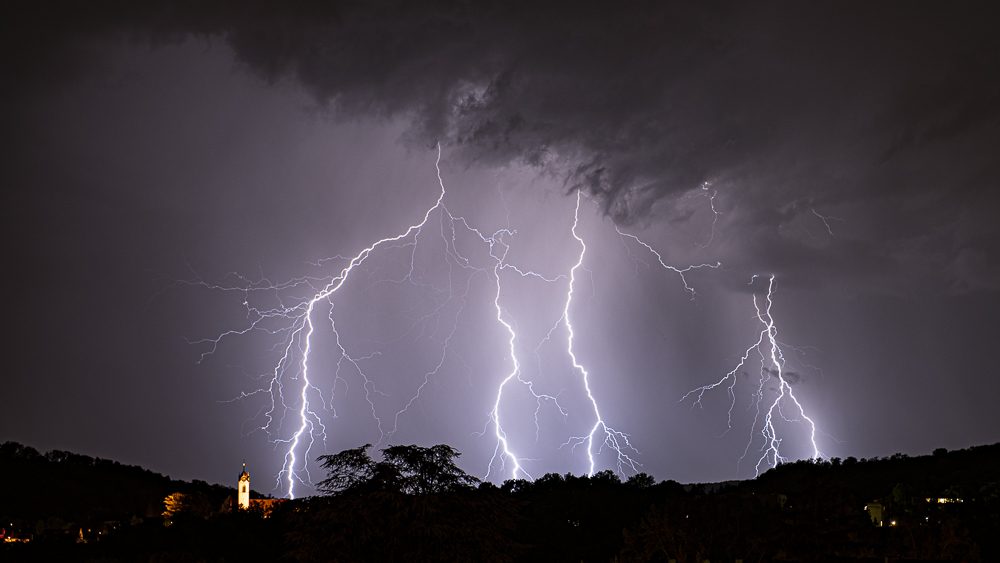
pixel 412 503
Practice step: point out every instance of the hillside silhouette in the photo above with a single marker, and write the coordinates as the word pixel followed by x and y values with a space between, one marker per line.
pixel 66 487
pixel 417 505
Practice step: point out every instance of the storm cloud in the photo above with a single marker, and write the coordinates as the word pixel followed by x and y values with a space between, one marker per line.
pixel 787 109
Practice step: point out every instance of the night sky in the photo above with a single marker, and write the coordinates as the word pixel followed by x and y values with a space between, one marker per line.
pixel 169 168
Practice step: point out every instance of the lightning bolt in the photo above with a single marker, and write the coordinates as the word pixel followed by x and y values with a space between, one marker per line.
pixel 615 440
pixel 502 451
pixel 715 213
pixel 679 271
pixel 299 328
pixel 772 367
pixel 826 220
pixel 309 419
pixel 771 456
pixel 612 438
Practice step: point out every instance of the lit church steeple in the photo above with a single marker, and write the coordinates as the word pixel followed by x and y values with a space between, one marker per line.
pixel 243 489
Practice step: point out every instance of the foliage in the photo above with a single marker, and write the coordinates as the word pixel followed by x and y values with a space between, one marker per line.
pixel 641 481
pixel 579 518
pixel 85 490
pixel 178 506
pixel 467 525
pixel 414 505
pixel 346 470
pixel 403 469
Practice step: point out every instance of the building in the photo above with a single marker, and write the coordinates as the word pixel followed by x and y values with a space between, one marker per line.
pixel 243 489
pixel 243 500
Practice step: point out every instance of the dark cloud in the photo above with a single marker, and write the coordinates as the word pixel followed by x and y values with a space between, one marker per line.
pixel 785 109
pixel 642 102
pixel 649 99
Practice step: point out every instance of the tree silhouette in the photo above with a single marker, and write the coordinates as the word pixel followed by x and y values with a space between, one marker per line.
pixel 414 505
pixel 411 470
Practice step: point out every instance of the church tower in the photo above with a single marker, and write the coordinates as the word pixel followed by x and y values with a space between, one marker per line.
pixel 243 489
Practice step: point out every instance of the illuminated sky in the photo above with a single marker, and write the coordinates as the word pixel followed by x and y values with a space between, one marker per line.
pixel 851 152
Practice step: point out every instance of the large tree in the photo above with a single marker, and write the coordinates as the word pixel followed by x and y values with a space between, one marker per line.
pixel 413 505
pixel 404 469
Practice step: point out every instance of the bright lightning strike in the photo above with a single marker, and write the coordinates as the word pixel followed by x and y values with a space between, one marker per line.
pixel 771 456
pixel 772 367
pixel 305 323
pixel 617 441
pixel 299 327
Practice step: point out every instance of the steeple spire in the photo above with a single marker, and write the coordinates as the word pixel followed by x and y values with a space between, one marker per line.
pixel 243 488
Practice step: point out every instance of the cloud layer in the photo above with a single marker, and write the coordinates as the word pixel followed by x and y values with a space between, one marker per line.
pixel 883 116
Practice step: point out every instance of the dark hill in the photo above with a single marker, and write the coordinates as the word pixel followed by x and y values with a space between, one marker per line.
pixel 802 511
pixel 66 487
pixel 958 473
